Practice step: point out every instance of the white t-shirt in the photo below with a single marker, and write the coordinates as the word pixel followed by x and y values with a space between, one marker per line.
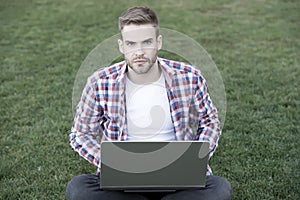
pixel 148 112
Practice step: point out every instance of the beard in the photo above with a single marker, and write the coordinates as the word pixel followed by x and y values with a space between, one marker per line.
pixel 141 65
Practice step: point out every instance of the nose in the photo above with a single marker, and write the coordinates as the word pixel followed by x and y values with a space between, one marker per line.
pixel 139 50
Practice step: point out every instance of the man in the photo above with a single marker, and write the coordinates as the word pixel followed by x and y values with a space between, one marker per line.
pixel 110 109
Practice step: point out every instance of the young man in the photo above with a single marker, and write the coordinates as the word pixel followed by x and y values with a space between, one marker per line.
pixel 115 101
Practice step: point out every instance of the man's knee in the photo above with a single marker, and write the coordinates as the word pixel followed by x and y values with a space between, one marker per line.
pixel 73 187
pixel 223 188
pixel 76 187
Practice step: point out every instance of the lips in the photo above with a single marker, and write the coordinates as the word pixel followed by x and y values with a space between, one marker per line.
pixel 140 61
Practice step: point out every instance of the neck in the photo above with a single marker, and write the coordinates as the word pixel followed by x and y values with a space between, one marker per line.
pixel 142 79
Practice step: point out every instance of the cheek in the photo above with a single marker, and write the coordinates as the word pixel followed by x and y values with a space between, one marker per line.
pixel 153 56
pixel 151 53
pixel 128 56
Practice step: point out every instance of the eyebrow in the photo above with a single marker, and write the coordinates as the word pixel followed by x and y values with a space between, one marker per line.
pixel 150 39
pixel 128 41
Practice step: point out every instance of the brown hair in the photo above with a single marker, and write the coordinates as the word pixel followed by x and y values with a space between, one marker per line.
pixel 138 15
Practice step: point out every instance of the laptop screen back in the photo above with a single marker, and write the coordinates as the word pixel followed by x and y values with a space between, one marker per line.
pixel 153 165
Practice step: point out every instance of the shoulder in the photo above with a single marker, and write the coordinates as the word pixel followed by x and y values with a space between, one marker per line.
pixel 181 67
pixel 111 72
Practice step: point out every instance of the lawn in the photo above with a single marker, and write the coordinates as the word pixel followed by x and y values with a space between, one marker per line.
pixel 255 45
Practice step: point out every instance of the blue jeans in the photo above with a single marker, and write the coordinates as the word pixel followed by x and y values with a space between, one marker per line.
pixel 87 186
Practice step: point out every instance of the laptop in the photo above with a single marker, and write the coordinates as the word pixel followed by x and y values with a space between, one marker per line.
pixel 134 166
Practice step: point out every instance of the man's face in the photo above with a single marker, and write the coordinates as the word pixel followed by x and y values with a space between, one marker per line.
pixel 140 45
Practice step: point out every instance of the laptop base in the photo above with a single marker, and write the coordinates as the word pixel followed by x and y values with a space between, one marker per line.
pixel 150 190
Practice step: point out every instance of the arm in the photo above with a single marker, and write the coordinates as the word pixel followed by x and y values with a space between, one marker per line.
pixel 85 132
pixel 208 128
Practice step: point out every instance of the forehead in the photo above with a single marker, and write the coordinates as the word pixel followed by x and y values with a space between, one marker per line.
pixel 134 32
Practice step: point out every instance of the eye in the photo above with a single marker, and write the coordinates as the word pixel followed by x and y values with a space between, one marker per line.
pixel 148 42
pixel 130 44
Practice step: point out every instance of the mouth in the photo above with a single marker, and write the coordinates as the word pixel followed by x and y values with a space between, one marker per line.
pixel 140 61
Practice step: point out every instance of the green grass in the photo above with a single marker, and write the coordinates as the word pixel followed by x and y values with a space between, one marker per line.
pixel 255 45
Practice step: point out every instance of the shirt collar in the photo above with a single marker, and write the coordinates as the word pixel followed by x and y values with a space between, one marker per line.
pixel 167 71
pixel 122 72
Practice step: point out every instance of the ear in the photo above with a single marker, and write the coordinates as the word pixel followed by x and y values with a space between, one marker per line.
pixel 159 42
pixel 121 46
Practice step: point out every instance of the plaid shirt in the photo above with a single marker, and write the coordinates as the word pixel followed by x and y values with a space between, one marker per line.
pixel 101 113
